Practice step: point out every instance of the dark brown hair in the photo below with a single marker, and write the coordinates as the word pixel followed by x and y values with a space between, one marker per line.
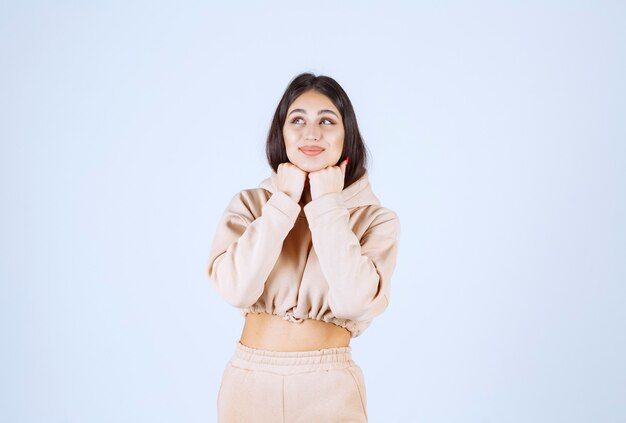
pixel 353 145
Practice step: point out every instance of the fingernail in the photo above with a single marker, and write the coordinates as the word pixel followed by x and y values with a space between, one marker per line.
pixel 347 160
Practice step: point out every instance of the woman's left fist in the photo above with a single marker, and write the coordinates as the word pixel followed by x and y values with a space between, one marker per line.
pixel 329 179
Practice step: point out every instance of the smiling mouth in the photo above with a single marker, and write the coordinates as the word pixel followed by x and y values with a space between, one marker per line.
pixel 311 151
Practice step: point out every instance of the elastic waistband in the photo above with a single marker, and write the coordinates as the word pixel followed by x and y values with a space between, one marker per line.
pixel 290 362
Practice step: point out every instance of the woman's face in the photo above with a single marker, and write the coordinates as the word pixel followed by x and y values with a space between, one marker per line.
pixel 313 132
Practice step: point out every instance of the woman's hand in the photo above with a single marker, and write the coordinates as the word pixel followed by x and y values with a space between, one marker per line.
pixel 291 180
pixel 329 179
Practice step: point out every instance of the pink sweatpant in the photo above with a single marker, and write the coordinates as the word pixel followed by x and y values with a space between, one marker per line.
pixel 322 386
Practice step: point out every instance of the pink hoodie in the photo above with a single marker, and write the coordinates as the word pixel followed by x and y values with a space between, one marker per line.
pixel 331 260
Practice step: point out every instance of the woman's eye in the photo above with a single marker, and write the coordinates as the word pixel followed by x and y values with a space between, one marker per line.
pixel 324 121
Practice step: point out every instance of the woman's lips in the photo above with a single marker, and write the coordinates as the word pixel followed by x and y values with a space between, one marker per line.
pixel 311 151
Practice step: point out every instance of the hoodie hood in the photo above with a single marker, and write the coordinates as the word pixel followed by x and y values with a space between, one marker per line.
pixel 358 194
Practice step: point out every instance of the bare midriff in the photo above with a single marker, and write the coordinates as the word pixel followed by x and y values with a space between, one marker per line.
pixel 270 332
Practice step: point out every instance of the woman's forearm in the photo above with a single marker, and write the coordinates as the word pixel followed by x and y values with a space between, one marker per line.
pixel 245 248
pixel 358 272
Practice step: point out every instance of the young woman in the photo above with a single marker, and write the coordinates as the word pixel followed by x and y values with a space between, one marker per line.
pixel 308 258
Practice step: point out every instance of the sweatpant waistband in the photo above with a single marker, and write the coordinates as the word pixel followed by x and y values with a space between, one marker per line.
pixel 291 362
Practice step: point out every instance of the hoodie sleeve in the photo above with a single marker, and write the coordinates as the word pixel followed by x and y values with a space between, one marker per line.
pixel 245 247
pixel 358 272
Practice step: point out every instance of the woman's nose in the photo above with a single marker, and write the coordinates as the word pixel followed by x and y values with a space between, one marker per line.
pixel 313 132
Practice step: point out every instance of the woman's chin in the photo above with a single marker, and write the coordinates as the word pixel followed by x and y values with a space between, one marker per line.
pixel 311 167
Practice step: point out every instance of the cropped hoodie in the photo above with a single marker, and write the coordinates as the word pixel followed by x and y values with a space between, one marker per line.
pixel 331 260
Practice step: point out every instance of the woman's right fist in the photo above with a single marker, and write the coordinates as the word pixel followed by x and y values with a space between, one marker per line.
pixel 291 180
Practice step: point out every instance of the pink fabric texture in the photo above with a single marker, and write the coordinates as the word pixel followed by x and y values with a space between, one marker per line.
pixel 292 387
pixel 331 260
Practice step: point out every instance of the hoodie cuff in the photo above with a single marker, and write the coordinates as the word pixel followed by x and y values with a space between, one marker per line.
pixel 283 203
pixel 324 204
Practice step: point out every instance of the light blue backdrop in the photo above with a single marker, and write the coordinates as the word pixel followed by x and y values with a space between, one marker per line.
pixel 497 132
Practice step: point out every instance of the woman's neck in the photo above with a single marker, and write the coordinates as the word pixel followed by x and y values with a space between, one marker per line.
pixel 306 195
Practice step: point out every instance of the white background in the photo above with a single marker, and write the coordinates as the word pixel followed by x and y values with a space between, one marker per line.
pixel 497 133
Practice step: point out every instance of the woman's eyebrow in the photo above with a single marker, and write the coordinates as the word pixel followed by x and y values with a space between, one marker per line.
pixel 319 113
